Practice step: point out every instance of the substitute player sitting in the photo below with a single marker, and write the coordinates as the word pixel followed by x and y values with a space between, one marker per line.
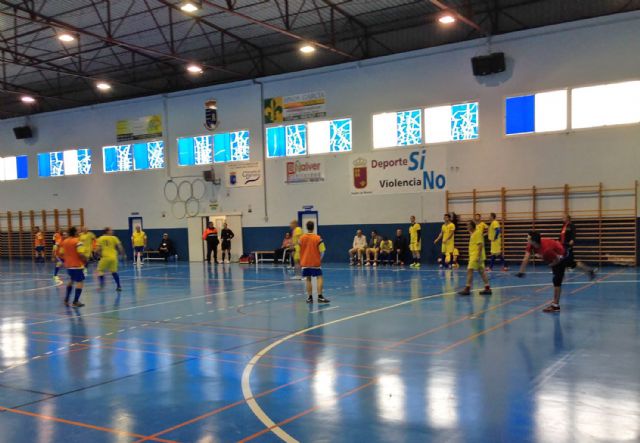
pixel 109 248
pixel 476 259
pixel 311 252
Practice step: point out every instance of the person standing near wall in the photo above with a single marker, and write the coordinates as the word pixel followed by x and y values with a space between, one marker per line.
pixel 38 244
pixel 447 236
pixel 74 261
pixel 210 236
pixel 226 234
pixel 312 250
pixel 415 241
pixel 87 238
pixel 495 237
pixel 401 246
pixel 139 242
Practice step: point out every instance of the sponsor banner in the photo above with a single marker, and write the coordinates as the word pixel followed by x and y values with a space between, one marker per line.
pixel 398 171
pixel 143 128
pixel 304 171
pixel 295 107
pixel 239 175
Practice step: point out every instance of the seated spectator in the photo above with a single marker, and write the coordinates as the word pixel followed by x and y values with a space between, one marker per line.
pixel 358 248
pixel 287 245
pixel 386 251
pixel 402 247
pixel 166 249
pixel 373 249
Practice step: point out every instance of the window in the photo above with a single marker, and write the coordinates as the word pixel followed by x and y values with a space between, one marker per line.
pixel 70 162
pixel 218 148
pixel 604 105
pixel 536 113
pixel 451 123
pixel 317 137
pixel 136 157
pixel 393 129
pixel 14 168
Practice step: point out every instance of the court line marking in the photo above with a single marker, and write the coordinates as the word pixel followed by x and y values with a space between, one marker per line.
pixel 269 424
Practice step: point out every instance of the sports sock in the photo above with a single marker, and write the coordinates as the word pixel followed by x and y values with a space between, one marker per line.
pixel 493 260
pixel 56 270
pixel 77 296
pixel 69 289
pixel 116 277
pixel 101 280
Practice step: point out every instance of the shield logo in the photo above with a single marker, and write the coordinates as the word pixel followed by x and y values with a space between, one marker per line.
pixel 210 115
pixel 360 173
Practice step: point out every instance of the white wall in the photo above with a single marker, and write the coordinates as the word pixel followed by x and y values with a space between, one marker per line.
pixel 582 53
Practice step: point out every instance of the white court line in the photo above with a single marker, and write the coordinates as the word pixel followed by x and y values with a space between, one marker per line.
pixel 325 309
pixel 176 300
pixel 248 369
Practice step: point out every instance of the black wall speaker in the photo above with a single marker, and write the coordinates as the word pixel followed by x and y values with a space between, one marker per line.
pixel 22 132
pixel 488 64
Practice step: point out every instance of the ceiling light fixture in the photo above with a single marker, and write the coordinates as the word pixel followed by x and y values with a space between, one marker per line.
pixel 66 37
pixel 194 69
pixel 189 7
pixel 447 18
pixel 307 49
pixel 103 86
pixel 27 99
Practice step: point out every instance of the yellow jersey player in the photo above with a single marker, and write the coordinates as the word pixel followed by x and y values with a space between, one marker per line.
pixel 482 226
pixel 447 236
pixel 296 234
pixel 86 238
pixel 477 257
pixel 415 241
pixel 109 247
pixel 495 237
pixel 139 242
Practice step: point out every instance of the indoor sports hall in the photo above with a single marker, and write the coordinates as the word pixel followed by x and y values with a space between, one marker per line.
pixel 319 221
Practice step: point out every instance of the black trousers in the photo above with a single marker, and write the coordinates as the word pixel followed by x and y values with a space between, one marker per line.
pixel 212 246
pixel 558 272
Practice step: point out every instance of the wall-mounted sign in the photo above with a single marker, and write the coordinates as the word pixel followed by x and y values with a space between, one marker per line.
pixel 142 128
pixel 295 107
pixel 398 171
pixel 243 174
pixel 304 171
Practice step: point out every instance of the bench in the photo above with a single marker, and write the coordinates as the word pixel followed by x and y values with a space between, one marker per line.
pixel 260 256
pixel 150 254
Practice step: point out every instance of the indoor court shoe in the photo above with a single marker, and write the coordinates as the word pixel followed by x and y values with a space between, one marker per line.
pixel 119 289
pixel 321 299
pixel 66 303
pixel 309 299
pixel 552 308
pixel 465 291
pixel 485 291
pixel 78 305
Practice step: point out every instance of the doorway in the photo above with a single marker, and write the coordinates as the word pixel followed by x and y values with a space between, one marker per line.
pixel 197 225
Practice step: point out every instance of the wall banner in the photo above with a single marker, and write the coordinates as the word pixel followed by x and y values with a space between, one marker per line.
pixel 142 128
pixel 304 171
pixel 295 107
pixel 398 171
pixel 243 174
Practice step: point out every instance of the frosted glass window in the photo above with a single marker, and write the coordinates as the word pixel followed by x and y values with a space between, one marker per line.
pixel 551 111
pixel 61 163
pixel 391 129
pixel 451 123
pixel 296 140
pixel 437 124
pixel 605 105
pixel 319 137
pixel 14 168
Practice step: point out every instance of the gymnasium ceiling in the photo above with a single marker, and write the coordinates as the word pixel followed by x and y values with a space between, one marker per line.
pixel 142 47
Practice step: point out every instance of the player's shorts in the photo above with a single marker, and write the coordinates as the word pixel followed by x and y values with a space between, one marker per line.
pixel 138 249
pixel 476 265
pixel 108 265
pixel 311 272
pixel 39 248
pixel 415 246
pixel 76 275
pixel 496 247
pixel 226 244
pixel 447 248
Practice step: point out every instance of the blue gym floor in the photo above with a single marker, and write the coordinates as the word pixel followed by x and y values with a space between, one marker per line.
pixel 233 353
